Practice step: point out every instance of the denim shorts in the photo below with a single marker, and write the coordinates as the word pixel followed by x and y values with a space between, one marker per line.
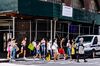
pixel 38 52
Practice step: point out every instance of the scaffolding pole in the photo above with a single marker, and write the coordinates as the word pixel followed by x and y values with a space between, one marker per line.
pixel 13 27
pixel 51 30
pixel 68 30
pixel 55 28
pixel 36 30
pixel 30 31
pixel 89 30
pixel 79 29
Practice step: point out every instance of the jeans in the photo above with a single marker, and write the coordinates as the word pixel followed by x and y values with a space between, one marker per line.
pixel 13 53
pixel 69 52
pixel 43 50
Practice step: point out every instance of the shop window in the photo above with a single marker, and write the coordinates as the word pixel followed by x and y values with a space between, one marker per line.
pixel 76 4
pixel 92 6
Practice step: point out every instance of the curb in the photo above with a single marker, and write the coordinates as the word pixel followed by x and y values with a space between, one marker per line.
pixel 4 60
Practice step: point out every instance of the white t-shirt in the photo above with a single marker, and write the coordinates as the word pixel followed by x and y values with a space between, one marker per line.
pixel 34 43
pixel 68 45
pixel 49 46
pixel 55 46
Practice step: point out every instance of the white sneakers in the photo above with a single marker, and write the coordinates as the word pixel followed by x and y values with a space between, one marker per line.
pixel 17 55
pixel 24 57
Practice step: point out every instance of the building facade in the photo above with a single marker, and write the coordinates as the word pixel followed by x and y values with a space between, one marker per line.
pixel 37 19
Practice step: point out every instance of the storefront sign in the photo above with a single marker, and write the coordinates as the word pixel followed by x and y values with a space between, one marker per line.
pixel 67 11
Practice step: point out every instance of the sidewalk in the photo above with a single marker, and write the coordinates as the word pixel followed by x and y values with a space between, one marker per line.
pixel 4 60
pixel 10 64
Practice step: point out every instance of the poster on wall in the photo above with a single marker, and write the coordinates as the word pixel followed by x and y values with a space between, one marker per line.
pixel 67 11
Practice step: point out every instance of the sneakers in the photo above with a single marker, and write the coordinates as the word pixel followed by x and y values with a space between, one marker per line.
pixel 85 61
pixel 78 61
pixel 17 55
pixel 13 60
pixel 24 57
pixel 43 59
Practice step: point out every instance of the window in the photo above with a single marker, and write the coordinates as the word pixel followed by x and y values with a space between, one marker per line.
pixel 77 4
pixel 43 0
pixel 87 39
pixel 95 41
pixel 92 6
pixel 53 1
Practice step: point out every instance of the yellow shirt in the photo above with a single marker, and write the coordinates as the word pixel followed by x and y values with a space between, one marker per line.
pixel 73 51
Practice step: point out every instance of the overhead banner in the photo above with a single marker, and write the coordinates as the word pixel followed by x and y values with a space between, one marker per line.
pixel 67 11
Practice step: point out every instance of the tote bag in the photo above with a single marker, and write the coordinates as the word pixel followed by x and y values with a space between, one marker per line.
pixel 31 46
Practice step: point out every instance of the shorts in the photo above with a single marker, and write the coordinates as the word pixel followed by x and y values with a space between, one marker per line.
pixel 55 50
pixel 23 47
pixel 38 52
pixel 61 51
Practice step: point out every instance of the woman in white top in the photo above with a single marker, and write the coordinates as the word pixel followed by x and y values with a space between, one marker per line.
pixel 49 44
pixel 69 48
pixel 55 49
pixel 43 47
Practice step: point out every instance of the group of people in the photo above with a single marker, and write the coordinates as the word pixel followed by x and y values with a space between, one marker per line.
pixel 12 48
pixel 48 50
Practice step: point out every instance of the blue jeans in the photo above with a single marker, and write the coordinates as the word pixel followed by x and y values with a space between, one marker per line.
pixel 43 50
pixel 69 52
pixel 13 53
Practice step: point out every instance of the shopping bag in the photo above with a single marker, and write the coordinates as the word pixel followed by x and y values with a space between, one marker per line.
pixel 48 57
pixel 31 46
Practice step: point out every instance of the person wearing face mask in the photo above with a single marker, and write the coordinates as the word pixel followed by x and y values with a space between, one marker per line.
pixel 81 50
